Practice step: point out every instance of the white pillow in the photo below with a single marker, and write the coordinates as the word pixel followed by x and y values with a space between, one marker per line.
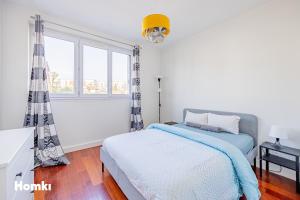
pixel 226 122
pixel 196 118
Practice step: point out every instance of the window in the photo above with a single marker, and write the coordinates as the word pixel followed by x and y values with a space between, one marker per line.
pixel 80 68
pixel 120 63
pixel 94 70
pixel 61 68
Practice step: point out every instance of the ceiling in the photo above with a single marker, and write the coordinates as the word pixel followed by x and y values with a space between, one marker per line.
pixel 122 18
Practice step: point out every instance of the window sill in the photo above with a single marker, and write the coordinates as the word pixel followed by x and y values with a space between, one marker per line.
pixel 114 97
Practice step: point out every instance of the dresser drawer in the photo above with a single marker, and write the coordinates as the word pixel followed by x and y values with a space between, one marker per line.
pixel 20 167
pixel 26 194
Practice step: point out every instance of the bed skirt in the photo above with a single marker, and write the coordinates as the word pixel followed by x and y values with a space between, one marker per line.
pixel 127 188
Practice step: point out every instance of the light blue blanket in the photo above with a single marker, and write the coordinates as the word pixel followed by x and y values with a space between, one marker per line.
pixel 246 177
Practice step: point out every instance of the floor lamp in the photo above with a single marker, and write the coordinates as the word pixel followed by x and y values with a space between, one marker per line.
pixel 159 91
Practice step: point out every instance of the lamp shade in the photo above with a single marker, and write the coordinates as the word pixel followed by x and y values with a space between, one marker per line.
pixel 155 27
pixel 278 132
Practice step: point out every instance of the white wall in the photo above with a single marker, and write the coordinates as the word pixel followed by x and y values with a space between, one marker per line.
pixel 79 121
pixel 1 28
pixel 248 64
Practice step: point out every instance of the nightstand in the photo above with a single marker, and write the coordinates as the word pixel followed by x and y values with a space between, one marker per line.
pixel 170 123
pixel 290 164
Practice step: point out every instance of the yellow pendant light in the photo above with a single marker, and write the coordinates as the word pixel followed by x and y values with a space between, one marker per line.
pixel 155 27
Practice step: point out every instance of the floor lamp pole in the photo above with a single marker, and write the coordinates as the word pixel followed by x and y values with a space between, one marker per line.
pixel 159 104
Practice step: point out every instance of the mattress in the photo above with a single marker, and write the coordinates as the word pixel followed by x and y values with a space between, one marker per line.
pixel 242 141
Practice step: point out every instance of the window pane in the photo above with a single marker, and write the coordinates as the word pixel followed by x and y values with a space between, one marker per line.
pixel 120 64
pixel 94 70
pixel 59 55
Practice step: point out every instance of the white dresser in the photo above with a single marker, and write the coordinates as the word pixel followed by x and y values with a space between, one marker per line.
pixel 16 163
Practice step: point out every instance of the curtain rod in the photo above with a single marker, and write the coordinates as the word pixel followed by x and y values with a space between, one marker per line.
pixel 85 32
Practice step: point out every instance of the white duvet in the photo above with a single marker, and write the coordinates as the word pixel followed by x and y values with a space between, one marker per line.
pixel 164 166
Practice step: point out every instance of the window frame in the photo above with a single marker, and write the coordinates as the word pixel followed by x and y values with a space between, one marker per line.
pixel 97 45
pixel 110 49
pixel 79 42
pixel 73 39
pixel 129 53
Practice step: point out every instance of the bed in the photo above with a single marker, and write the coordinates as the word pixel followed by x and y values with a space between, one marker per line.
pixel 179 162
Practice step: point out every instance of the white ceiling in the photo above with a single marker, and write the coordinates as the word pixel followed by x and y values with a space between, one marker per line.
pixel 122 18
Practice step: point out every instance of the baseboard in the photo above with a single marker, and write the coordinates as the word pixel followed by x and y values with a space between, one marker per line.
pixel 81 146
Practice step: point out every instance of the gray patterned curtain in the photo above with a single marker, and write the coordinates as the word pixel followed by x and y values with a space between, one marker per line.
pixel 136 112
pixel 47 149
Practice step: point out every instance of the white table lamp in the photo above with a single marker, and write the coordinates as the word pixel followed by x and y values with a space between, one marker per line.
pixel 278 133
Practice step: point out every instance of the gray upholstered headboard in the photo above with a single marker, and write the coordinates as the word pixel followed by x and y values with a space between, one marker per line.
pixel 248 122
